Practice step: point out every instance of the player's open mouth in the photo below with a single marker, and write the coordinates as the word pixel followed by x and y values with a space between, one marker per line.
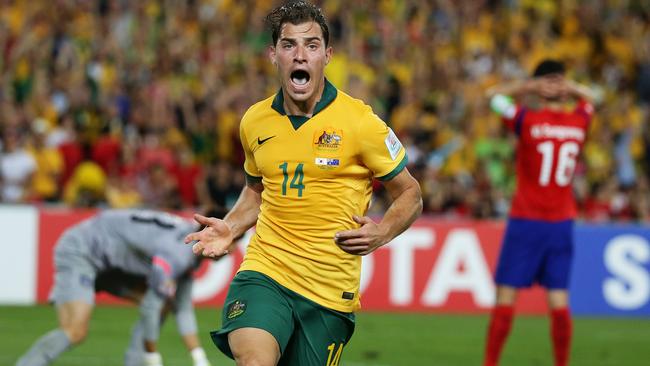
pixel 300 78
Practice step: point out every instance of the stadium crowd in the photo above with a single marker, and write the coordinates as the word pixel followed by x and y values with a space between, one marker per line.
pixel 137 103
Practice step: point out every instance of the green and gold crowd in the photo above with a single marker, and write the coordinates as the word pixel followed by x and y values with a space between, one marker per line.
pixel 117 103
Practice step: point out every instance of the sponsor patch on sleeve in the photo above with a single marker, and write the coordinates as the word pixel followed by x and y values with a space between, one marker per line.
pixel 393 144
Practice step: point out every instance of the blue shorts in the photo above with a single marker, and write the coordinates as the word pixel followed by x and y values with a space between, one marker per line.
pixel 536 251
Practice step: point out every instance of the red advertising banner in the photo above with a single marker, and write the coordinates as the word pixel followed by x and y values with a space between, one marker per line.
pixel 435 266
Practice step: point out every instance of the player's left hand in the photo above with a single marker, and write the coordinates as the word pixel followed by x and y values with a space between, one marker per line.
pixel 363 240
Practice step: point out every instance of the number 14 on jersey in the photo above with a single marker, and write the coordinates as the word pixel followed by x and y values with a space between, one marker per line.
pixel 296 180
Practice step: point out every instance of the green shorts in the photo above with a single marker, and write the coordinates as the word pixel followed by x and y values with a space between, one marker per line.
pixel 308 334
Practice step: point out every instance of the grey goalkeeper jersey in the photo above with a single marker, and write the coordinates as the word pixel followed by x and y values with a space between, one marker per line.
pixel 129 239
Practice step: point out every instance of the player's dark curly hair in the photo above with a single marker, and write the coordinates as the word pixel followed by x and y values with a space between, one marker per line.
pixel 296 12
pixel 549 67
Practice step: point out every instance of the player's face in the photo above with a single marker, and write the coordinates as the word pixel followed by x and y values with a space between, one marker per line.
pixel 552 87
pixel 300 56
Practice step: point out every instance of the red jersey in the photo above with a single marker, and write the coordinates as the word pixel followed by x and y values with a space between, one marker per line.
pixel 546 156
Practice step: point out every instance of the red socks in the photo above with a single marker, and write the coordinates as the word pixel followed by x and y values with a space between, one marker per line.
pixel 561 329
pixel 501 323
pixel 498 331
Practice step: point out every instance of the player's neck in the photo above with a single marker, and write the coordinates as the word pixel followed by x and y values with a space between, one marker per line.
pixel 554 105
pixel 306 107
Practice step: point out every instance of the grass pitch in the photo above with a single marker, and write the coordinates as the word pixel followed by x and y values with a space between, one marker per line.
pixel 380 339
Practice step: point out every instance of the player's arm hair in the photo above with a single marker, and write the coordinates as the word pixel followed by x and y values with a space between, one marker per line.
pixel 406 205
pixel 244 213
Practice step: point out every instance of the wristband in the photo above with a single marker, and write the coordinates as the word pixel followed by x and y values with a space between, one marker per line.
pixel 503 105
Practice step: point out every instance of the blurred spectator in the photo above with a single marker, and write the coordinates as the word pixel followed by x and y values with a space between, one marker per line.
pixel 639 200
pixel 221 189
pixel 49 165
pixel 62 133
pixel 188 175
pixel 106 151
pixel 87 184
pixel 71 148
pixel 17 167
pixel 122 186
pixel 625 172
pixel 122 193
pixel 158 187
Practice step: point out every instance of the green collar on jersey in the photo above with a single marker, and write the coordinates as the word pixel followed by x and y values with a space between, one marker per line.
pixel 329 94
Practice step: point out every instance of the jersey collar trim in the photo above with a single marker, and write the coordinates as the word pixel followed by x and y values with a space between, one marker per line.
pixel 329 94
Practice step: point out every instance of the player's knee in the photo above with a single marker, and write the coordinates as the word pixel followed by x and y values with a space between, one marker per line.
pixel 76 334
pixel 558 299
pixel 505 295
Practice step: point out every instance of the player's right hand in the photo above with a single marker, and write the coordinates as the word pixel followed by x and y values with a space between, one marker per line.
pixel 363 240
pixel 213 241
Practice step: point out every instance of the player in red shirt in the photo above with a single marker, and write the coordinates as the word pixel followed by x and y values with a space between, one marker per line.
pixel 538 242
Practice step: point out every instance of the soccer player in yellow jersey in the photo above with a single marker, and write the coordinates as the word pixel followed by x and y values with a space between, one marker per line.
pixel 311 154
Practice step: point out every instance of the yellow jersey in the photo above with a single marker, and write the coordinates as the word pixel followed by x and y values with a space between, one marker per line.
pixel 317 173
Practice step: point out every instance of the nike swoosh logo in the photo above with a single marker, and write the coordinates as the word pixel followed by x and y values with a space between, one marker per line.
pixel 260 142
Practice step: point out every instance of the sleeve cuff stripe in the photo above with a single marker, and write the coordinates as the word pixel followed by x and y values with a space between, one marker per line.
pixel 252 178
pixel 397 169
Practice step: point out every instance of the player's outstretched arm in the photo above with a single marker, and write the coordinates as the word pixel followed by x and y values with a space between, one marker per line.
pixel 579 91
pixel 544 86
pixel 406 207
pixel 216 238
pixel 515 88
pixel 502 97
